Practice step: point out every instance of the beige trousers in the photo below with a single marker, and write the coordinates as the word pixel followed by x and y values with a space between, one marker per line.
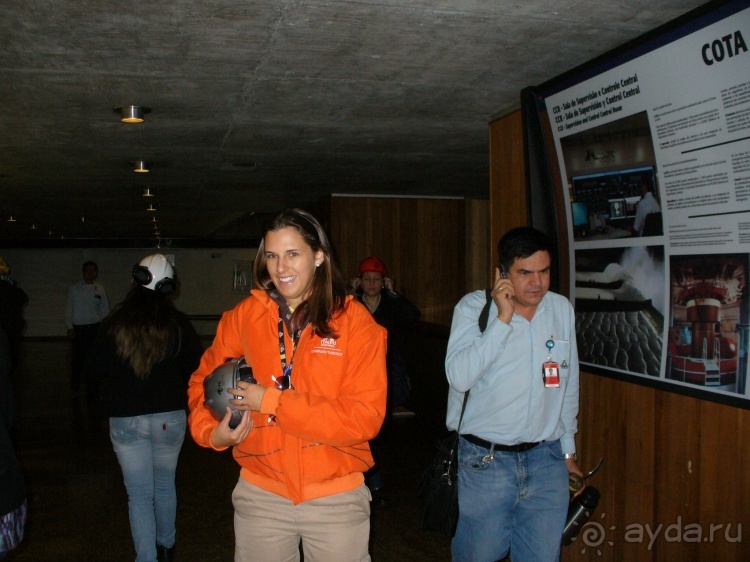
pixel 269 528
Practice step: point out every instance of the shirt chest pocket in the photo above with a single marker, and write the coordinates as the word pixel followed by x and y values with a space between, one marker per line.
pixel 560 354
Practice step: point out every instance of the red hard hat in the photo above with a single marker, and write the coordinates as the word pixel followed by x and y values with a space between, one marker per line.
pixel 372 264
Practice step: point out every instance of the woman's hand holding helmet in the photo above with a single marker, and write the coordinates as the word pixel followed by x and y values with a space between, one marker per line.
pixel 248 395
pixel 224 436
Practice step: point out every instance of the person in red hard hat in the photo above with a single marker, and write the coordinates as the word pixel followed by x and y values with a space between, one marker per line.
pixel 390 309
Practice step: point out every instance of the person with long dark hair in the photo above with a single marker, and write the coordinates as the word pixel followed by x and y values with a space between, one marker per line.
pixel 318 357
pixel 145 353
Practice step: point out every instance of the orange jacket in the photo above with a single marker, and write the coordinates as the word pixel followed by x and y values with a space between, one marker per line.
pixel 317 446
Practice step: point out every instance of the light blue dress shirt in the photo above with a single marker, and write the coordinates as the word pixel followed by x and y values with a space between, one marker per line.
pixel 87 304
pixel 502 367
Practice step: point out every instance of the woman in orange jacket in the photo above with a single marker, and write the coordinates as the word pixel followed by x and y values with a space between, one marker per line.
pixel 318 358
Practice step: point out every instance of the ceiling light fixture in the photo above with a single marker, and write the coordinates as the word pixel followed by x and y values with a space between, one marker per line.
pixel 147 192
pixel 132 113
pixel 140 166
pixel 11 218
pixel 151 208
pixel 33 227
pixel 154 219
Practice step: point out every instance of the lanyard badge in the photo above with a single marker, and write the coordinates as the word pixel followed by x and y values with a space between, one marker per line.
pixel 550 369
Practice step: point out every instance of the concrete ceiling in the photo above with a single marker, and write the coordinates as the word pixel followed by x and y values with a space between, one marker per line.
pixel 261 105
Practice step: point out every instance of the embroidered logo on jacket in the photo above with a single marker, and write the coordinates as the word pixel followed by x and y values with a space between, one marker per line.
pixel 328 347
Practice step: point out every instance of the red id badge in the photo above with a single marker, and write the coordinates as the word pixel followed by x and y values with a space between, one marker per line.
pixel 551 373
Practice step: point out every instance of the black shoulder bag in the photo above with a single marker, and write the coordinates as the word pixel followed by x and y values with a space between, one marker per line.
pixel 439 487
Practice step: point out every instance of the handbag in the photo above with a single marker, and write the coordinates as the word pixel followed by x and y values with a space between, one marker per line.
pixel 440 485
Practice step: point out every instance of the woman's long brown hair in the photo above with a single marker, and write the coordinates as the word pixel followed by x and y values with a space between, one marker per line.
pixel 145 328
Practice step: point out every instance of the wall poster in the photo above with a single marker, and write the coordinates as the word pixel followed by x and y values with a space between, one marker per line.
pixel 654 162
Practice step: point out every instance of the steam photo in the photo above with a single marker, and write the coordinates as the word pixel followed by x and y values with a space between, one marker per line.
pixel 620 308
pixel 708 333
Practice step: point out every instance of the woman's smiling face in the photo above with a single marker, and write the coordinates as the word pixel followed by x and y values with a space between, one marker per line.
pixel 291 263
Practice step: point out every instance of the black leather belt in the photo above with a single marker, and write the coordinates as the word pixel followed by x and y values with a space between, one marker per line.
pixel 478 441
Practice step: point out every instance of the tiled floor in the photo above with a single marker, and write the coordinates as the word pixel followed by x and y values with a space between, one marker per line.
pixel 78 505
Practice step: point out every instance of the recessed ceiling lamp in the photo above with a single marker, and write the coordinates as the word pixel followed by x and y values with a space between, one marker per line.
pixel 132 113
pixel 140 166
pixel 147 192
pixel 154 219
pixel 151 208
pixel 11 218
pixel 33 227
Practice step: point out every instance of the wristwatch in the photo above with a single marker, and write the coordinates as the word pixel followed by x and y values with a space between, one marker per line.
pixel 571 456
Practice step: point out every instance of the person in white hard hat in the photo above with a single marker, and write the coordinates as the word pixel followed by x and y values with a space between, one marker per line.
pixel 146 352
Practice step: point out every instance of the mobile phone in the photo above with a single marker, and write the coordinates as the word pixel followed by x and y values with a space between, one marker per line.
pixel 502 272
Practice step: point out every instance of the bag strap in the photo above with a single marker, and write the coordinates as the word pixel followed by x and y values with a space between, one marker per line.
pixel 484 317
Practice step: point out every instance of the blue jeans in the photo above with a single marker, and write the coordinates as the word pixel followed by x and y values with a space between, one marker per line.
pixel 147 448
pixel 516 502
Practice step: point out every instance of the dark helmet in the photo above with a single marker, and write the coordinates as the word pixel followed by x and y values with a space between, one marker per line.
pixel 216 388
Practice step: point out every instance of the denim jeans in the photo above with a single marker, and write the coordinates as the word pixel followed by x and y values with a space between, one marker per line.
pixel 515 502
pixel 147 448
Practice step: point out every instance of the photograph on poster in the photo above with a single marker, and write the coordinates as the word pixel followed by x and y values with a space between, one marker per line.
pixel 619 308
pixel 708 332
pixel 612 180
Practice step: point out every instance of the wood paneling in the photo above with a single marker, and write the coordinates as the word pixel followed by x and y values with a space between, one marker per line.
pixel 673 465
pixel 421 241
pixel 478 253
pixel 507 178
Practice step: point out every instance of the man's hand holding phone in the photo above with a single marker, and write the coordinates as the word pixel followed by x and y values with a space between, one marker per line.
pixel 503 294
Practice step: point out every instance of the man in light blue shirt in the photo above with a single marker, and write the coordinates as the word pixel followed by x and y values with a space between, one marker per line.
pixel 517 434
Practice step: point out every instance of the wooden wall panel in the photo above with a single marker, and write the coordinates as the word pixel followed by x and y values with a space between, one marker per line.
pixel 477 249
pixel 421 241
pixel 507 178
pixel 674 465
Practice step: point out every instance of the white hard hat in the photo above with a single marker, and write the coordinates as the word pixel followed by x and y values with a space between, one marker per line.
pixel 155 273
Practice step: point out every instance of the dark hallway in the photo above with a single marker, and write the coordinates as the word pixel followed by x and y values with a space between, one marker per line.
pixel 78 504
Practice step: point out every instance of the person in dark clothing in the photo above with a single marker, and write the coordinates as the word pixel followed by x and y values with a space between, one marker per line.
pixel 145 353
pixel 12 301
pixel 376 291
pixel 12 492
